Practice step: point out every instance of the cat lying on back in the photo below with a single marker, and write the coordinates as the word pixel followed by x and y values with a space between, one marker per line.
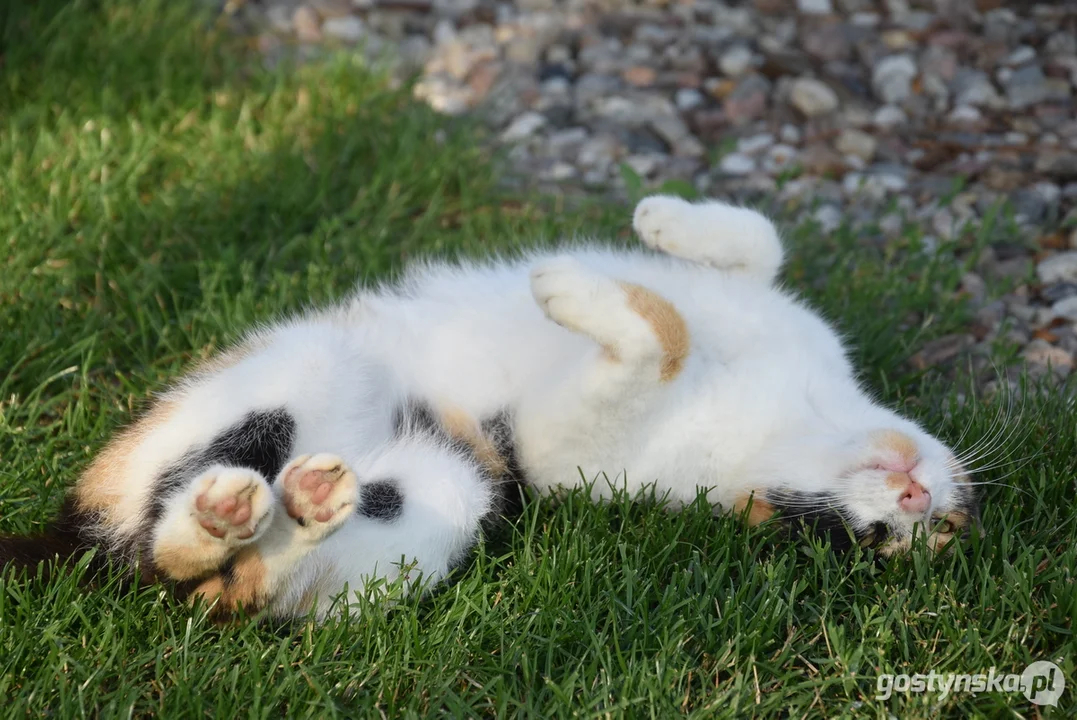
pixel 347 445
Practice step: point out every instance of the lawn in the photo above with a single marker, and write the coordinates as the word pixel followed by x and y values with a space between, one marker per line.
pixel 160 192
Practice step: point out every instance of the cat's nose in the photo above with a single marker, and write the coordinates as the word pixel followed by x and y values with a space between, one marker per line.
pixel 914 498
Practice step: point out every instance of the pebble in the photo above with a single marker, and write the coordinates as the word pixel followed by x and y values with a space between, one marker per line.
pixel 892 78
pixel 307 24
pixel 857 143
pixel 839 112
pixel 1040 352
pixel 523 127
pixel 815 7
pixel 349 29
pixel 813 97
pixel 1058 268
pixel 737 164
pixel 736 61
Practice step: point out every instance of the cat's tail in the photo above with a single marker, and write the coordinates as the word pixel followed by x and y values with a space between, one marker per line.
pixel 63 540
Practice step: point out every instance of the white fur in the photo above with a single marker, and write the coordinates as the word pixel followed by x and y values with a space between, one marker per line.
pixel 766 398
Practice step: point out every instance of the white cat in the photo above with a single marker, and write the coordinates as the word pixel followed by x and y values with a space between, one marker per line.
pixel 351 445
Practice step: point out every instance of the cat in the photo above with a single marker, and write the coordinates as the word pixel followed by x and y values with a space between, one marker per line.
pixel 371 441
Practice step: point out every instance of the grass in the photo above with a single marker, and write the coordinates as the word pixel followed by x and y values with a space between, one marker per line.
pixel 159 192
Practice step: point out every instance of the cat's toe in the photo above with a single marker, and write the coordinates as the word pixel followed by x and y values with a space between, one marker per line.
pixel 319 492
pixel 232 504
pixel 564 289
pixel 656 220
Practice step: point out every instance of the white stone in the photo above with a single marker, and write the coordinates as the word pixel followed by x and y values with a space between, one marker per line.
pixel 523 127
pixel 813 97
pixel 559 171
pixel 754 143
pixel 688 98
pixel 828 217
pixel 791 134
pixel 736 164
pixel 892 78
pixel 349 29
pixel 645 165
pixel 889 116
pixel 856 143
pixel 780 158
pixel 965 114
pixel 1021 55
pixel 735 61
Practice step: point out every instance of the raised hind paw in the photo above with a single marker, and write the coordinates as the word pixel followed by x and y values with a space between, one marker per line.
pixel 319 492
pixel 574 297
pixel 710 233
pixel 232 504
pixel 633 325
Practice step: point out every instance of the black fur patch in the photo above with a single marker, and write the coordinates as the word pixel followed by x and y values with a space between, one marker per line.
pixel 821 514
pixel 510 486
pixel 381 500
pixel 415 416
pixel 261 441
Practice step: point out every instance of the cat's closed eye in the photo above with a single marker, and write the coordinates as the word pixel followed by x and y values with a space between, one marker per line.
pixel 942 525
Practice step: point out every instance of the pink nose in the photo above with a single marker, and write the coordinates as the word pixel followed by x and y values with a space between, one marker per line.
pixel 914 498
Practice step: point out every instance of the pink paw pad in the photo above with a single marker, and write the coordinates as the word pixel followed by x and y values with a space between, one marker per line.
pixel 318 490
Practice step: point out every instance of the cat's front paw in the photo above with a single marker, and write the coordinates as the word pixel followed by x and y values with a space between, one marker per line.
pixel 233 504
pixel 319 492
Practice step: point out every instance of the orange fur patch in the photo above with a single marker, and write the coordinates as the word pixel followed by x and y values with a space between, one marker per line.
pixel 209 589
pixel 668 325
pixel 760 511
pixel 246 586
pixel 186 562
pixel 898 481
pixel 463 427
pixel 101 485
pixel 899 443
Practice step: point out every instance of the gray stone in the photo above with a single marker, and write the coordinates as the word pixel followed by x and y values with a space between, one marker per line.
pixel 815 7
pixel 1026 86
pixel 973 88
pixel 1066 308
pixel 1061 267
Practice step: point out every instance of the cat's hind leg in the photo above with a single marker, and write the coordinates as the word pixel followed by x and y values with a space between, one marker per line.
pixel 220 511
pixel 640 333
pixel 711 233
pixel 591 409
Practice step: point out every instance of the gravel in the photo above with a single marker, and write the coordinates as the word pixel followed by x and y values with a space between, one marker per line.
pixel 882 116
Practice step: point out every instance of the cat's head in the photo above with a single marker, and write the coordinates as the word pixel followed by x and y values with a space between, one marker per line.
pixel 877 488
